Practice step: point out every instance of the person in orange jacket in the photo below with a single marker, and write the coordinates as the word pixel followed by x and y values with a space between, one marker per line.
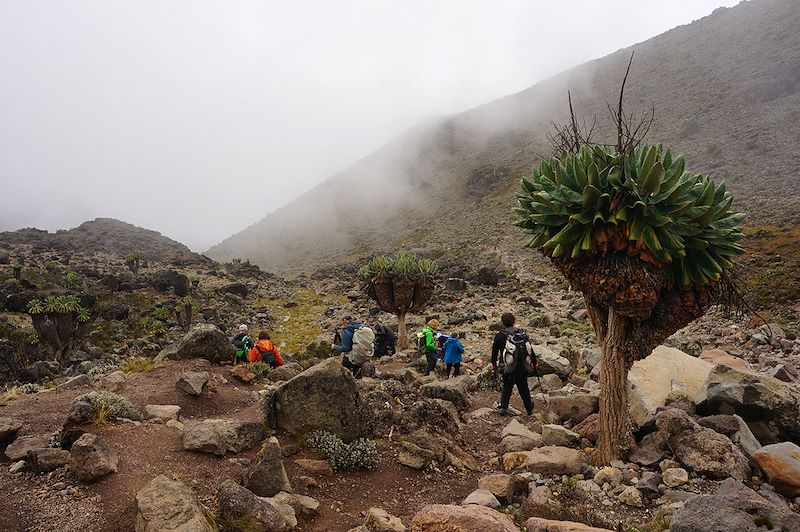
pixel 265 351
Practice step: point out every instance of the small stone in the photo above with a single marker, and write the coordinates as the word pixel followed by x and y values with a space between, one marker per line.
pixel 612 475
pixel 675 476
pixel 76 382
pixel 163 412
pixel 631 496
pixel 18 467
pixel 482 498
pixel 192 382
pixel 175 424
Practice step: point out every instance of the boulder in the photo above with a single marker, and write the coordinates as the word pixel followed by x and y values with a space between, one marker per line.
pixel 218 436
pixel 648 484
pixel 236 501
pixel 548 460
pixel 162 412
pixel 755 397
pixel 631 496
pixel 8 429
pixel 744 438
pixel 452 390
pixel 781 463
pixel 652 379
pixel 723 513
pixel 202 341
pixel 500 485
pixel 323 397
pixel 114 382
pixel 559 436
pixel 266 476
pixel 302 504
pixel 550 362
pixel 285 372
pixel 469 518
pixel 539 503
pixel 166 504
pixel 76 382
pixel 537 524
pixel 700 449
pixel 192 382
pixel 723 423
pixel 589 427
pixel 379 520
pixel 610 475
pixel 44 460
pixel 91 458
pixel 18 450
pixel 719 356
pixel 575 407
pixel 483 498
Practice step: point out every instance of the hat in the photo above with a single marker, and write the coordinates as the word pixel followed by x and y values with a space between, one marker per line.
pixel 433 324
pixel 242 328
pixel 347 317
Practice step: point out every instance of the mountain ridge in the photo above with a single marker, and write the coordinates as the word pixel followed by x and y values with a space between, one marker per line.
pixel 727 94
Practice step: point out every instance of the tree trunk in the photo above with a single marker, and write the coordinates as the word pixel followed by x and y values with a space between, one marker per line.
pixel 614 435
pixel 402 332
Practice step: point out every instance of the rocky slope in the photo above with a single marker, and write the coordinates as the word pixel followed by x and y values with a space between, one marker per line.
pixel 726 90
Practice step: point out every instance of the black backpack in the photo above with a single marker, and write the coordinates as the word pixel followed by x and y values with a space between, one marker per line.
pixel 517 351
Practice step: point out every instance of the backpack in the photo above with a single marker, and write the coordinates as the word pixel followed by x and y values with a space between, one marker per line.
pixel 246 347
pixel 422 341
pixel 517 350
pixel 363 345
pixel 267 357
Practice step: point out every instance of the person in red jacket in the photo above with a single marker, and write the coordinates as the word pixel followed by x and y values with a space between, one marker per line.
pixel 265 351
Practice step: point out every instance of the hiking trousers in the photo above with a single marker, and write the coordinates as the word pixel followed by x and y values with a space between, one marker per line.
pixel 431 358
pixel 356 370
pixel 456 367
pixel 521 380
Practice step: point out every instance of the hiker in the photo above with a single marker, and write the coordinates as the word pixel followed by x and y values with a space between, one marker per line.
pixel 513 373
pixel 426 343
pixel 265 351
pixel 385 340
pixel 453 349
pixel 357 345
pixel 243 343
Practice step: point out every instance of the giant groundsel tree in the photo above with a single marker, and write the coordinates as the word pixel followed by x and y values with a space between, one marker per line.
pixel 399 284
pixel 648 243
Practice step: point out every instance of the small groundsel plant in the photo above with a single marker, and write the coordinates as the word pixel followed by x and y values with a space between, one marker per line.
pixel 71 280
pixel 108 405
pixel 259 369
pixel 359 454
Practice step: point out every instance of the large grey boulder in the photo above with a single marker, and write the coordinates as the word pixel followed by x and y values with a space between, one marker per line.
pixel 666 370
pixel 165 504
pixel 234 500
pixel 575 407
pixel 701 449
pixel 453 390
pixel 266 476
pixel 218 436
pixel 323 397
pixel 733 507
pixel 756 398
pixel 91 458
pixel 202 341
pixel 550 362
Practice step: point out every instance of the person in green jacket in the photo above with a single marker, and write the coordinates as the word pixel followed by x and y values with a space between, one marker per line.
pixel 427 345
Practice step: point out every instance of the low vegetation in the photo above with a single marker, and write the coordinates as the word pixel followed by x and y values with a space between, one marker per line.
pixel 358 454
pixel 109 405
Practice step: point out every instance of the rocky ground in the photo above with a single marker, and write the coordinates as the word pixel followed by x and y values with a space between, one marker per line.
pixel 715 410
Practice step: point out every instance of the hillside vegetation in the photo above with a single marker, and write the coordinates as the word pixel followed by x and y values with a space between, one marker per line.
pixel 726 90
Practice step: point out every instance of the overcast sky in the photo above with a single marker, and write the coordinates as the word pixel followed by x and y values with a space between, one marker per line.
pixel 197 118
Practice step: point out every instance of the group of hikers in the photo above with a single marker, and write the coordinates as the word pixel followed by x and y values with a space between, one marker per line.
pixel 512 352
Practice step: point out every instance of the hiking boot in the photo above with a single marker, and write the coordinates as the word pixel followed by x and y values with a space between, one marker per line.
pixel 530 413
pixel 358 372
pixel 502 411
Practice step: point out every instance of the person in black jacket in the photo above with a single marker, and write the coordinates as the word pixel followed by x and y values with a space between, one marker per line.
pixel 385 340
pixel 519 376
pixel 243 343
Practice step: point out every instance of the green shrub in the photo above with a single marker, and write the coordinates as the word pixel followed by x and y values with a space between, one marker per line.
pixel 109 404
pixel 12 282
pixel 359 454
pixel 161 313
pixel 259 369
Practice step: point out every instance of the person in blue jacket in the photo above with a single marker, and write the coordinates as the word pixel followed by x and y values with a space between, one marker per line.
pixel 453 349
pixel 349 327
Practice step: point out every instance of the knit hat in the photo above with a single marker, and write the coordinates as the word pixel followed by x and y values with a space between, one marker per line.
pixel 433 324
pixel 242 328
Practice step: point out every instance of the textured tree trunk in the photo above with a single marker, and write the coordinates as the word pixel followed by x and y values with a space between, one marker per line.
pixel 614 435
pixel 402 332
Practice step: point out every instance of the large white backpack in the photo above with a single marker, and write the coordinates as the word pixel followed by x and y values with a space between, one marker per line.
pixel 363 345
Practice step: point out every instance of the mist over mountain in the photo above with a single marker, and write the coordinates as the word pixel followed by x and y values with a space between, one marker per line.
pixel 726 90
